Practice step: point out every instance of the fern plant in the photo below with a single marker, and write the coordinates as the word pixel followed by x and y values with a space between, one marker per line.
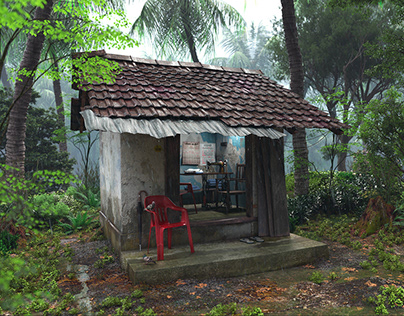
pixel 81 221
pixel 88 198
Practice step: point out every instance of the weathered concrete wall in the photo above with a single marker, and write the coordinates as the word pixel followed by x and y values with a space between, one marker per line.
pixel 128 164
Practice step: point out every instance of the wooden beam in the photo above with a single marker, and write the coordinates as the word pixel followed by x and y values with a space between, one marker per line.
pixel 172 168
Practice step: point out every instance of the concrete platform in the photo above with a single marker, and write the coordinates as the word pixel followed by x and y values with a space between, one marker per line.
pixel 225 259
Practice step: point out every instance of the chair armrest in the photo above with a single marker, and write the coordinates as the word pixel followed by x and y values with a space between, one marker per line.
pixel 177 208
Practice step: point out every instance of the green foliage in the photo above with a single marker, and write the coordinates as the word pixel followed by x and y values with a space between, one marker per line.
pixel 185 27
pixel 399 212
pixel 105 259
pixel 28 281
pixel 79 222
pixel 333 276
pixel 345 193
pixel 8 242
pixel 246 49
pixel 47 209
pixel 111 301
pixel 122 306
pixel 15 204
pixel 137 293
pixel 390 297
pixel 366 265
pixel 223 310
pixel 89 199
pixel 335 228
pixel 316 277
pixel 251 311
pixel 381 131
pixel 40 145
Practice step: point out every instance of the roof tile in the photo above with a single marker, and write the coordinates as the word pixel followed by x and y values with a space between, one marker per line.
pixel 147 88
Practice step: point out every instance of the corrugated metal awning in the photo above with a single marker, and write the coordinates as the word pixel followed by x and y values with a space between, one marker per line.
pixel 167 128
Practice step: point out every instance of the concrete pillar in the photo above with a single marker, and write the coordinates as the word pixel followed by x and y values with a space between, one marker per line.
pixel 128 164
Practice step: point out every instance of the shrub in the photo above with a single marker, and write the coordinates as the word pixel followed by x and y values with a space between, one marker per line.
pixel 223 310
pixel 8 242
pixel 347 193
pixel 316 277
pixel 48 208
pixel 79 222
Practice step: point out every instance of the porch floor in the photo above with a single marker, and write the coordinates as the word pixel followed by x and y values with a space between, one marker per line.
pixel 222 259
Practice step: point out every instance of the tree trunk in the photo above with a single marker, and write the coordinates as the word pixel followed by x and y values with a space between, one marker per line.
pixel 188 34
pixel 296 85
pixel 57 89
pixel 15 147
pixel 343 140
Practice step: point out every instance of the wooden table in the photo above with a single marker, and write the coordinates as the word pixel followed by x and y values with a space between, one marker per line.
pixel 225 178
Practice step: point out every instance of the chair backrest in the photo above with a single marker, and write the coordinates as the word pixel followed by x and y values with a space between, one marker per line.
pixel 240 171
pixel 160 209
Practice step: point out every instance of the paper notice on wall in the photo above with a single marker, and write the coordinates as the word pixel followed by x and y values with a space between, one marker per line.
pixel 190 153
pixel 208 153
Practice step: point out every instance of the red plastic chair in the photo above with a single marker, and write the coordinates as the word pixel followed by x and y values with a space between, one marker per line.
pixel 159 220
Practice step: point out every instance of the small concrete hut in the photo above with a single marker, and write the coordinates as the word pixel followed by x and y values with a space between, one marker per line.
pixel 152 104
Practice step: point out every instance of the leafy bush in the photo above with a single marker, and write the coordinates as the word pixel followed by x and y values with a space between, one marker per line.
pixel 316 277
pixel 81 221
pixel 251 311
pixel 89 199
pixel 29 279
pixel 346 193
pixel 391 296
pixel 16 206
pixel 48 209
pixel 8 242
pixel 223 310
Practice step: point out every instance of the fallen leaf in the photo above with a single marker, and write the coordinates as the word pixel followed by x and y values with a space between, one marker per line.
pixel 201 285
pixel 180 282
pixel 309 266
pixel 229 294
pixel 169 296
pixel 359 308
pixel 192 293
pixel 211 290
pixel 370 284
pixel 350 279
pixel 349 269
pixel 198 296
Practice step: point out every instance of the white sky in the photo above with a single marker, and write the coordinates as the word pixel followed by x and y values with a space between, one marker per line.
pixel 257 11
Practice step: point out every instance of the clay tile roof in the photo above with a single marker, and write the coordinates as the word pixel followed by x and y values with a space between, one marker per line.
pixel 238 97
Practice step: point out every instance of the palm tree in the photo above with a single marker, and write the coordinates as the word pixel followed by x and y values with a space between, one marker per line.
pixel 297 86
pixel 185 25
pixel 15 147
pixel 246 49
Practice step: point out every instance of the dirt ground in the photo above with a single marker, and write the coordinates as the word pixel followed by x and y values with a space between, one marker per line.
pixel 281 292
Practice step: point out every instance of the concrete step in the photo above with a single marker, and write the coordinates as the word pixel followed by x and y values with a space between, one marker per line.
pixel 226 259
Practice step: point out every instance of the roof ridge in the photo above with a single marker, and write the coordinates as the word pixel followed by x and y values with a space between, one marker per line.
pixel 183 64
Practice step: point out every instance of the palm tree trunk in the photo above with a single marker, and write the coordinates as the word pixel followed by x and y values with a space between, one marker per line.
pixel 57 89
pixel 15 147
pixel 187 28
pixel 296 85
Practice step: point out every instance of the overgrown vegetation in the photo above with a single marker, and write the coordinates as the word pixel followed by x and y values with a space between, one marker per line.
pixel 345 193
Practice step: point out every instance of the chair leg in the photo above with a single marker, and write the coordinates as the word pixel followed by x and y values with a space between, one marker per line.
pixel 148 243
pixel 191 244
pixel 193 196
pixel 160 244
pixel 169 236
pixel 237 201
